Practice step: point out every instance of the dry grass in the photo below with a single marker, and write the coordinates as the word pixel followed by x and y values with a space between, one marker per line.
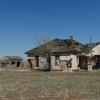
pixel 30 85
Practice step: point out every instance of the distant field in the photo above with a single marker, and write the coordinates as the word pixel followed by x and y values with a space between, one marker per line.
pixel 49 85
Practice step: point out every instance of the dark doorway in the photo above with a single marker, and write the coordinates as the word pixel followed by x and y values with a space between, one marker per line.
pixel 18 64
pixel 83 61
pixel 37 61
pixel 12 62
pixel 97 62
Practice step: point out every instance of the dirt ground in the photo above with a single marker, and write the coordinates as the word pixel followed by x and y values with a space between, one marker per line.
pixel 29 85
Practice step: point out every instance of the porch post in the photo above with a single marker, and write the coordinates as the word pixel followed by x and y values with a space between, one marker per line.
pixel 52 62
pixel 89 67
pixel 21 63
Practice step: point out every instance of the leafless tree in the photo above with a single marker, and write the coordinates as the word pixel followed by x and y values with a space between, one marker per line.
pixel 44 43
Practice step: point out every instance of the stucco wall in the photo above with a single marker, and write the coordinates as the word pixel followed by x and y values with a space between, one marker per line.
pixel 74 61
pixel 43 65
pixel 96 50
pixel 52 61
pixel 53 64
pixel 64 57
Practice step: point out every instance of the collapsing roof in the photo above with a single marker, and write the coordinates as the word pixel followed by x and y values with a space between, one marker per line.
pixel 62 46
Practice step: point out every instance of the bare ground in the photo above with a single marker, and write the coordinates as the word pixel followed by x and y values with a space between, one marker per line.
pixel 28 85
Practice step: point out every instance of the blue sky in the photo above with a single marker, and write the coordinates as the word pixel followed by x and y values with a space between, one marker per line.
pixel 22 21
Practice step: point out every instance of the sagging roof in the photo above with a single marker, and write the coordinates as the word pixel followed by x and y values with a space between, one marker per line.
pixel 62 45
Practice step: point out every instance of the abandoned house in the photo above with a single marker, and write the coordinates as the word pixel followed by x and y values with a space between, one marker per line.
pixel 61 54
pixel 14 61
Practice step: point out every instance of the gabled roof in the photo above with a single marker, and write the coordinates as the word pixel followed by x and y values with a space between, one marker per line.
pixel 13 57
